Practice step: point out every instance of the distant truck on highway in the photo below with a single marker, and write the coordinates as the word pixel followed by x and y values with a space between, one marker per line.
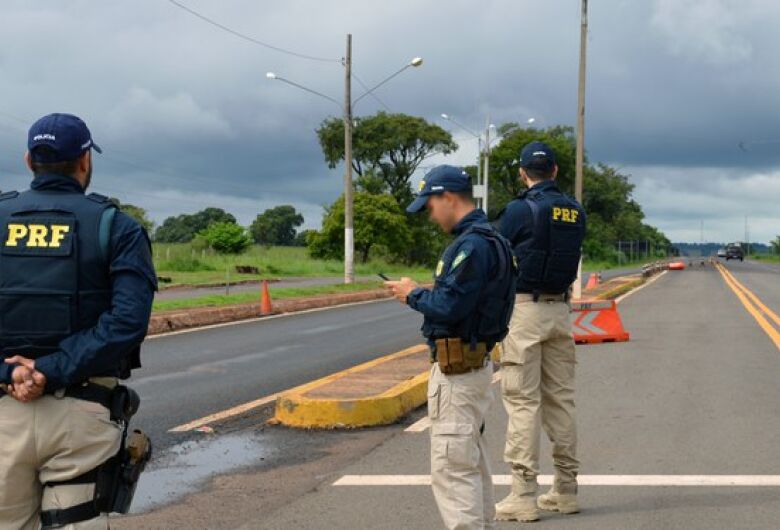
pixel 734 252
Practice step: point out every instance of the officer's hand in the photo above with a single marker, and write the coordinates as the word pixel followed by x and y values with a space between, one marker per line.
pixel 401 288
pixel 28 383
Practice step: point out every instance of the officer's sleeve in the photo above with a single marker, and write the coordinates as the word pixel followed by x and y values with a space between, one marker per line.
pixel 515 221
pixel 5 373
pixel 456 293
pixel 120 329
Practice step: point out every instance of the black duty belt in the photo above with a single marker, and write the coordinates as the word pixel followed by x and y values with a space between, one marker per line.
pixel 542 297
pixel 86 391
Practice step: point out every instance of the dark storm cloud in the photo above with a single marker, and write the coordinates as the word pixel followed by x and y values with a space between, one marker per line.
pixel 188 118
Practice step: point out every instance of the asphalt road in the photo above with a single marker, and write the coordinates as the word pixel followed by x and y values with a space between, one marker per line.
pixel 189 375
pixel 694 392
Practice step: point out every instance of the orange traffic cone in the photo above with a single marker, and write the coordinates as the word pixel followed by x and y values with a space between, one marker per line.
pixel 593 281
pixel 597 321
pixel 265 300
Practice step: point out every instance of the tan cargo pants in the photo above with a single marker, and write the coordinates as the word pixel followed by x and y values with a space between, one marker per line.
pixel 460 472
pixel 537 386
pixel 51 440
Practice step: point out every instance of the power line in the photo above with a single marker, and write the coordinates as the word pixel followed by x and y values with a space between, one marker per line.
pixel 369 91
pixel 251 39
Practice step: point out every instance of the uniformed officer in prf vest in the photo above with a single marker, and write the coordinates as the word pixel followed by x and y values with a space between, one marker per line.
pixel 76 290
pixel 465 314
pixel 546 229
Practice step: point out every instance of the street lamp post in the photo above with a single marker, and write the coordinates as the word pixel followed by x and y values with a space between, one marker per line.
pixel 349 231
pixel 346 108
pixel 483 164
pixel 580 154
pixel 480 190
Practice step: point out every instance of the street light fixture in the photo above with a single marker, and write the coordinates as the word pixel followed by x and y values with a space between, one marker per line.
pixel 346 108
pixel 414 63
pixel 481 187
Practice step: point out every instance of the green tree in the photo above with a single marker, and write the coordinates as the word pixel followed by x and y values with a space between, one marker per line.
pixel 182 228
pixel 775 245
pixel 379 224
pixel 301 238
pixel 276 226
pixel 227 238
pixel 387 146
pixel 504 180
pixel 136 212
pixel 613 214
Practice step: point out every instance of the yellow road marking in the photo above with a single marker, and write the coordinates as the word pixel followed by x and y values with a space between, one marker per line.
pixel 740 290
pixel 757 301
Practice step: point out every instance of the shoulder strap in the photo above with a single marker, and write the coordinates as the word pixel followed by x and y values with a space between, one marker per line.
pixel 98 198
pixel 104 232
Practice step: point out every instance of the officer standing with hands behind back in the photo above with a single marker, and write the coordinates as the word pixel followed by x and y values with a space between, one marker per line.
pixel 76 290
pixel 546 229
pixel 465 314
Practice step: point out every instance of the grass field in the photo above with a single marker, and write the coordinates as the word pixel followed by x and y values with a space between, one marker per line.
pixel 769 258
pixel 187 266
pixel 276 294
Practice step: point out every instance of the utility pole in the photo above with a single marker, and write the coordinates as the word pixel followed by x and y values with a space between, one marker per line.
pixel 480 202
pixel 487 165
pixel 580 160
pixel 349 231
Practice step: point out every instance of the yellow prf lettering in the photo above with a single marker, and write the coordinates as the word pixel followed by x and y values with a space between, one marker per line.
pixel 566 215
pixel 58 234
pixel 15 233
pixel 38 235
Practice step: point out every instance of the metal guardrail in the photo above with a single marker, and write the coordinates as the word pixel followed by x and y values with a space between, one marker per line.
pixel 651 269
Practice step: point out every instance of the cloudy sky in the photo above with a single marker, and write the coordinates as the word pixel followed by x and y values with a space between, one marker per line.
pixel 187 118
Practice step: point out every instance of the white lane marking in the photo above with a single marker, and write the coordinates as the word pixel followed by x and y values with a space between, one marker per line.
pixel 583 480
pixel 424 423
pixel 420 425
pixel 632 291
pixel 224 414
pixel 261 319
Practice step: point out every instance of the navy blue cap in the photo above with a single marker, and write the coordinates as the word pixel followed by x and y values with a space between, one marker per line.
pixel 438 180
pixel 66 135
pixel 537 155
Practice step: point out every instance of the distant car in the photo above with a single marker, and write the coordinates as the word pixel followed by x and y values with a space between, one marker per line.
pixel 721 252
pixel 734 252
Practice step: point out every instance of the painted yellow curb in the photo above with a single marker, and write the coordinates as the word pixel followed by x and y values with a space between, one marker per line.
pixel 294 409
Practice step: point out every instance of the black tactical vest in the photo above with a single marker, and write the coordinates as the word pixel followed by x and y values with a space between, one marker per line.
pixel 548 260
pixel 490 321
pixel 54 267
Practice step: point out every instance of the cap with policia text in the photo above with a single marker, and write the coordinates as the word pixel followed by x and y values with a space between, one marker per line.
pixel 537 155
pixel 66 136
pixel 438 180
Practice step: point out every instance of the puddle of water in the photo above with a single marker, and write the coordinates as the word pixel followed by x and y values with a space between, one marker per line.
pixel 182 468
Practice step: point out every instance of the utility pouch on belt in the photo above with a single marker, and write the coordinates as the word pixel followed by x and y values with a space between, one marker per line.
pixel 116 479
pixel 456 357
